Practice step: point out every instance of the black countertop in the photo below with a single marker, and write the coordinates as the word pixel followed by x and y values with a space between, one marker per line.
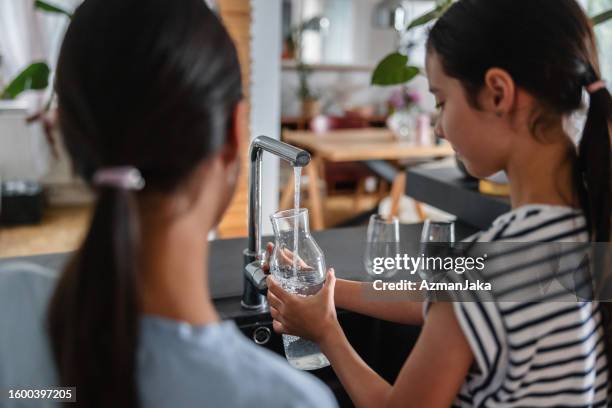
pixel 343 248
pixel 446 188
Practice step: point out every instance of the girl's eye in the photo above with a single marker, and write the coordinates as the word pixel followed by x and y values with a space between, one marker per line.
pixel 440 105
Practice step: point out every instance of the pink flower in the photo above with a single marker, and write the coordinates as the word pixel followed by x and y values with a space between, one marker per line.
pixel 397 99
pixel 404 98
pixel 413 96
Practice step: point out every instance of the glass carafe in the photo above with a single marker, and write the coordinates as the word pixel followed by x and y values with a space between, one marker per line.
pixel 297 263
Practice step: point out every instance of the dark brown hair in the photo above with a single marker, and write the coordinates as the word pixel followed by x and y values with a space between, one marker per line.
pixel 145 83
pixel 549 49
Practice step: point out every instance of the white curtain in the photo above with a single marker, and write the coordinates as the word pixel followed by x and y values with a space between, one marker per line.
pixel 27 35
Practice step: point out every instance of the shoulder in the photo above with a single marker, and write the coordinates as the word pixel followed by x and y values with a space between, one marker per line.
pixel 220 363
pixel 25 290
pixel 531 253
pixel 535 223
pixel 25 284
pixel 295 387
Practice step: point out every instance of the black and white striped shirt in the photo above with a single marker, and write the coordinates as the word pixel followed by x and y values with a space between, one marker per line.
pixel 547 353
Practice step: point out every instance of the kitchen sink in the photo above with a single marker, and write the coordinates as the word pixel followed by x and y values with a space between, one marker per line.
pixel 383 345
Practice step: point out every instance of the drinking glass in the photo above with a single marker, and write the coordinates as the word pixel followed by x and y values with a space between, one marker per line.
pixel 383 242
pixel 437 240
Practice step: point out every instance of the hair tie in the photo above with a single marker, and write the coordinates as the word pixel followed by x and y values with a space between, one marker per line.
pixel 124 178
pixel 596 86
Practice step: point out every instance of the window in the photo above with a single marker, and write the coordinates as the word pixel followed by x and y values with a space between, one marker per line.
pixel 604 36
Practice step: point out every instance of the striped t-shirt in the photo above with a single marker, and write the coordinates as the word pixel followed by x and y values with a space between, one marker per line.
pixel 547 353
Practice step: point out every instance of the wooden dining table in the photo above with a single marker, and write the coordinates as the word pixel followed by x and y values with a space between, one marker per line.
pixel 353 145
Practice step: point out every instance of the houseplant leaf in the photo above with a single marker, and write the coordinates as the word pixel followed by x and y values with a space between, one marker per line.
pixel 35 76
pixel 602 17
pixel 430 15
pixel 394 70
pixel 50 8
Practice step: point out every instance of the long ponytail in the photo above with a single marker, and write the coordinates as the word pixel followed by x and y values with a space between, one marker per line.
pixel 595 192
pixel 94 313
pixel 594 162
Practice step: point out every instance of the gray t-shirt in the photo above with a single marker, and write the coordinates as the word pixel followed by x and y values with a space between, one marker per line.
pixel 179 365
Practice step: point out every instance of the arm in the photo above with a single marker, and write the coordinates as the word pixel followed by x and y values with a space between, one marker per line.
pixel 431 377
pixel 359 297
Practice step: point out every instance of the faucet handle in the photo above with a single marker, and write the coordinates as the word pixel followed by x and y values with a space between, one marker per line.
pixel 255 274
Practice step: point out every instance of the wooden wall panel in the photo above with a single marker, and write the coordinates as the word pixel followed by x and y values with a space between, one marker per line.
pixel 236 15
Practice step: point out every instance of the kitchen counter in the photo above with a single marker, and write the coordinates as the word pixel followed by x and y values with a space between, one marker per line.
pixel 343 248
pixel 447 188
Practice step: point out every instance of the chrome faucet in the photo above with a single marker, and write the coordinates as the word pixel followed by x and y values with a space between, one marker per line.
pixel 254 276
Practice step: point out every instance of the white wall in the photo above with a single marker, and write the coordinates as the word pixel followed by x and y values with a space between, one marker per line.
pixel 265 93
pixel 345 90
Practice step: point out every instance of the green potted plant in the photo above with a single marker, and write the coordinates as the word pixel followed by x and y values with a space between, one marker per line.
pixel 36 75
pixel 309 98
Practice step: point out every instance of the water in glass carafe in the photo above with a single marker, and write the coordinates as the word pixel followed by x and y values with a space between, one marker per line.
pixel 297 263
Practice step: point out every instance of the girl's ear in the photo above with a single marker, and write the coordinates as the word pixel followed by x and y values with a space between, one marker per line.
pixel 500 92
pixel 237 133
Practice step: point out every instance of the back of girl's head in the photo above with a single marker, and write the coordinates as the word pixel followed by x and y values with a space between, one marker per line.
pixel 150 84
pixel 548 48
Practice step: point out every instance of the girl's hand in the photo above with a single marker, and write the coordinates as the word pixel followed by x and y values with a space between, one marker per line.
pixel 311 317
pixel 285 257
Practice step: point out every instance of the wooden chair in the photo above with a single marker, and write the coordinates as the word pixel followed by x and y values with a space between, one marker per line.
pixel 349 173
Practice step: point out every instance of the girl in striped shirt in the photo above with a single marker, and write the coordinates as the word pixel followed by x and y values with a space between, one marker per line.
pixel 505 74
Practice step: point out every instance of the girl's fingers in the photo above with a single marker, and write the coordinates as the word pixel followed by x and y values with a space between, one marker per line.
pixel 289 256
pixel 266 257
pixel 286 256
pixel 278 327
pixel 277 316
pixel 330 281
pixel 273 301
pixel 275 289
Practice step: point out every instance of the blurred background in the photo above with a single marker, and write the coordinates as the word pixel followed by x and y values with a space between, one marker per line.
pixel 341 78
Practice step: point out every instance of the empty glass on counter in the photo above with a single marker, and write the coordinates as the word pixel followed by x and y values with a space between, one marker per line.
pixel 382 242
pixel 298 265
pixel 437 240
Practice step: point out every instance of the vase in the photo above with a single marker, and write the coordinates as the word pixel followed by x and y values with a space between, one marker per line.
pixel 403 124
pixel 310 108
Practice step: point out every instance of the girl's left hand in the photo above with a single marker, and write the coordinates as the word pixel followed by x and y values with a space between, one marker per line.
pixel 311 317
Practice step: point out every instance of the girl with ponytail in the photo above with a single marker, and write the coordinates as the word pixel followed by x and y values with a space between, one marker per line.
pixel 506 75
pixel 151 111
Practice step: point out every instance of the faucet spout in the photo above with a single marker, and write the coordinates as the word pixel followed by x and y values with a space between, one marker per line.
pixel 254 280
pixel 296 157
